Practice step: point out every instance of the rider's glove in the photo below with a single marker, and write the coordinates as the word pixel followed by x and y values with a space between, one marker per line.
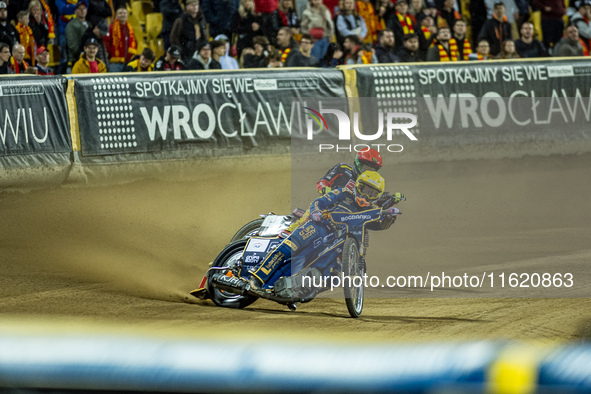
pixel 316 216
pixel 398 197
pixel 325 190
pixel 393 211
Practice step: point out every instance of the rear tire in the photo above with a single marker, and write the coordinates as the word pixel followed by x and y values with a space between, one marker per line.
pixel 248 230
pixel 353 268
pixel 229 256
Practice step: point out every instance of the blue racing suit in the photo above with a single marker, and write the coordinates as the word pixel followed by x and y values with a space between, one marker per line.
pixel 305 243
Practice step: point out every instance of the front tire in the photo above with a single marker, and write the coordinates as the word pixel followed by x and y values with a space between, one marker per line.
pixel 248 230
pixel 353 267
pixel 227 258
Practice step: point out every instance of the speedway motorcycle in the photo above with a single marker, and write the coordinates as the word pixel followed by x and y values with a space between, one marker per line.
pixel 342 254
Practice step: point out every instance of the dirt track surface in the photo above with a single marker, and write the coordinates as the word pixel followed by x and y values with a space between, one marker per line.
pixel 124 257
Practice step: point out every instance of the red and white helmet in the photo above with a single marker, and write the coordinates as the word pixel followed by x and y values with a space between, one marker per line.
pixel 368 160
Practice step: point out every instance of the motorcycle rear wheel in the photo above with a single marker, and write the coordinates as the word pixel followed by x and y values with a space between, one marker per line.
pixel 248 230
pixel 353 268
pixel 230 255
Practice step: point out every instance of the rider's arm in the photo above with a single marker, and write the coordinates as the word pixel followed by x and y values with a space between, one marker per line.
pixel 328 181
pixel 327 200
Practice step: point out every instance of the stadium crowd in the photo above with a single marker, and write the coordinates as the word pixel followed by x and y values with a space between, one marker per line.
pixel 95 36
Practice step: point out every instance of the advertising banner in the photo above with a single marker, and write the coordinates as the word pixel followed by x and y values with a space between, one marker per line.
pixel 499 101
pixel 136 113
pixel 33 116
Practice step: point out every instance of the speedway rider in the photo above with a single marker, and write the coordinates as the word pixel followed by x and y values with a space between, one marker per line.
pixel 340 175
pixel 309 239
pixel 344 175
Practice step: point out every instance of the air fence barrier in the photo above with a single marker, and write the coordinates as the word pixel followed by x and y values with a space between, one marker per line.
pixel 54 129
pixel 124 364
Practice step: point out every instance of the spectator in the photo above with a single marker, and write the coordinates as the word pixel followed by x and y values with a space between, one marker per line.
pixel 257 57
pixel 218 49
pixel 26 35
pixel 496 29
pixel 8 34
pixel 367 12
pixel 219 15
pixel 569 45
pixel 462 42
pixel 383 10
pixel 350 43
pixel 303 57
pixel 188 31
pixel 99 10
pixel 98 31
pixel 170 61
pixel 508 50
pixel 43 62
pixel 67 11
pixel 39 24
pixel 333 56
pixel 74 32
pixel 429 10
pixel 202 59
pixel 142 63
pixel 478 13
pixel 582 21
pixel 246 24
pixel 385 51
pixel 362 54
pixel 5 58
pixel 121 43
pixel 552 22
pixel 409 53
pixel 415 8
pixel 511 11
pixel 17 62
pixel 448 15
pixel 522 12
pixel 426 34
pixel 274 60
pixel 227 61
pixel 400 23
pixel 285 43
pixel 443 49
pixel 482 51
pixel 527 45
pixel 284 16
pixel 348 22
pixel 317 22
pixel 88 62
pixel 171 10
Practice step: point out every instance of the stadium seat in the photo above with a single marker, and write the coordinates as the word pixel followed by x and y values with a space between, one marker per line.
pixel 153 25
pixel 157 45
pixel 54 55
pixel 536 18
pixel 139 9
pixel 141 44
pixel 138 29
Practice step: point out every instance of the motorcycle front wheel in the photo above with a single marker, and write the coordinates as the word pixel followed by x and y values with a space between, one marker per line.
pixel 248 230
pixel 228 257
pixel 353 268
